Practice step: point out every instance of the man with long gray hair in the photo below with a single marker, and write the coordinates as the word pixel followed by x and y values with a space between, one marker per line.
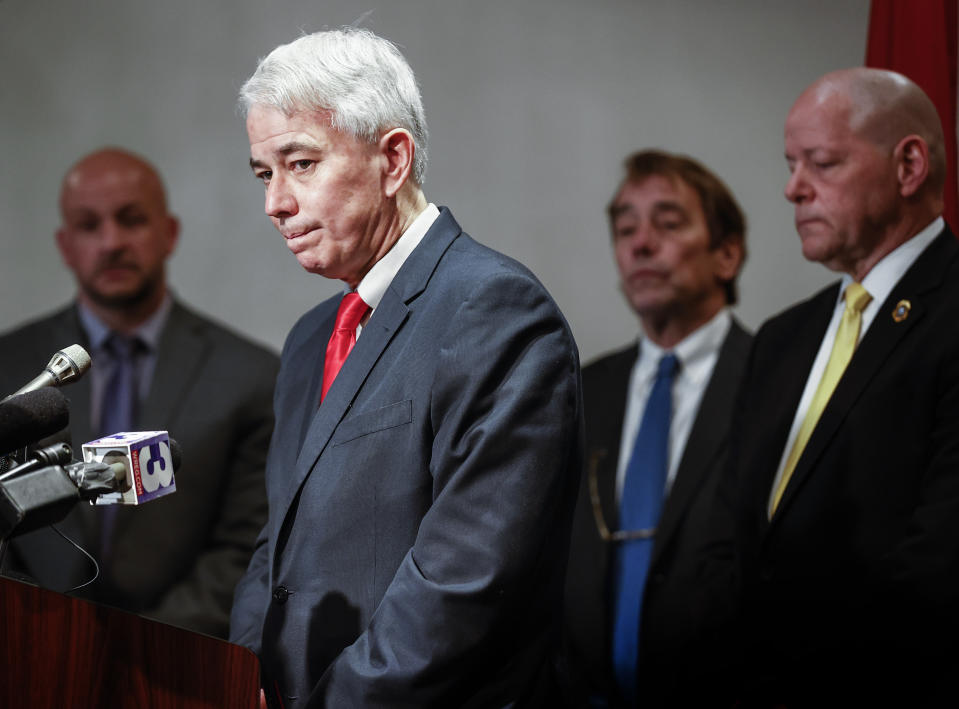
pixel 425 460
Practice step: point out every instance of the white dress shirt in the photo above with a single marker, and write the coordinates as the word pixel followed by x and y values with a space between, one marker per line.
pixel 879 282
pixel 697 354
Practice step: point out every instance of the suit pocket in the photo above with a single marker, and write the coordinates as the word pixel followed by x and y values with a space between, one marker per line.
pixel 368 422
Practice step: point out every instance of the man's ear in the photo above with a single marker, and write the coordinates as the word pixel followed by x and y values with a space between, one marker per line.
pixel 912 164
pixel 728 259
pixel 397 148
pixel 172 233
pixel 63 246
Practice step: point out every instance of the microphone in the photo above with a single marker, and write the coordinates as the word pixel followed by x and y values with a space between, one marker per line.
pixel 147 458
pixel 66 365
pixel 27 418
pixel 57 454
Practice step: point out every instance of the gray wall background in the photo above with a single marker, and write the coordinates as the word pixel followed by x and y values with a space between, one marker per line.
pixel 532 106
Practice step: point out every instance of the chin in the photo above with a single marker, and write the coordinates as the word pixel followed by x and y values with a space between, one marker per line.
pixel 316 268
pixel 816 247
pixel 649 306
pixel 121 298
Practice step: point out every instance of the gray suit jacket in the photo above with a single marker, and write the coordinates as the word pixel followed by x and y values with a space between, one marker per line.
pixel 677 607
pixel 178 558
pixel 419 517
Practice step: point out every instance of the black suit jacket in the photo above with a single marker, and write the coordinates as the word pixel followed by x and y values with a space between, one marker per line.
pixel 851 591
pixel 178 558
pixel 419 518
pixel 677 613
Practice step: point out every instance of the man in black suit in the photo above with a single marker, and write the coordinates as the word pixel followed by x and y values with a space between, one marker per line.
pixel 427 451
pixel 679 242
pixel 844 476
pixel 178 558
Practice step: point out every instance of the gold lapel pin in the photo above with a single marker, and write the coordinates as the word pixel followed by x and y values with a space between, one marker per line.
pixel 901 311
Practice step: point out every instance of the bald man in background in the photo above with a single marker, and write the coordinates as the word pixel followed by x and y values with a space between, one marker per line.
pixel 178 558
pixel 845 471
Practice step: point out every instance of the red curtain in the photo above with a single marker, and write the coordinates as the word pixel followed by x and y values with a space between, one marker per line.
pixel 918 38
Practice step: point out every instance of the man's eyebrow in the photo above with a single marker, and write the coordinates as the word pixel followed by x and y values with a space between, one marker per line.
pixel 668 206
pixel 618 210
pixel 287 149
pixel 297 147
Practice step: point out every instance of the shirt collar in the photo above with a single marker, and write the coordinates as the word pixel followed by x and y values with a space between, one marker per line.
pixel 148 331
pixel 884 276
pixel 693 349
pixel 374 284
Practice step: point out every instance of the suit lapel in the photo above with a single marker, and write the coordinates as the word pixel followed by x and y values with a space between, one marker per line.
pixel 382 326
pixel 184 353
pixel 388 318
pixel 789 361
pixel 607 431
pixel 707 437
pixel 883 336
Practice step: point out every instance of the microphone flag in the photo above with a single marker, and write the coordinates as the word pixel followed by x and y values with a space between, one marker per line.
pixel 147 460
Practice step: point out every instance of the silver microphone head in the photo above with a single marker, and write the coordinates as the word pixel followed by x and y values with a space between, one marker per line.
pixel 68 364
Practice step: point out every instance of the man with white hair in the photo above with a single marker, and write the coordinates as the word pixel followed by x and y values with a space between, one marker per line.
pixel 425 460
pixel 845 445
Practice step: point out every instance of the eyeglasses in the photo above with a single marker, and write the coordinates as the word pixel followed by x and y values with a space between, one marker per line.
pixel 600 519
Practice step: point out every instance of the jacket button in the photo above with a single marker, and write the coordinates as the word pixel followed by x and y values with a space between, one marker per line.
pixel 280 594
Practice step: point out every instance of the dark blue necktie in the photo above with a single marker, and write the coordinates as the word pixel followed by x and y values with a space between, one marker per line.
pixel 118 413
pixel 639 508
pixel 118 406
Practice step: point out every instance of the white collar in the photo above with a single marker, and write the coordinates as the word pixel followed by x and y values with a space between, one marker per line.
pixel 374 284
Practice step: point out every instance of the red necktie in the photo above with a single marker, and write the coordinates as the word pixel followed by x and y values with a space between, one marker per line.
pixel 348 317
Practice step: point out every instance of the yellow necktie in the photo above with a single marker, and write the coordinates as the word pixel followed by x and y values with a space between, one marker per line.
pixel 857 298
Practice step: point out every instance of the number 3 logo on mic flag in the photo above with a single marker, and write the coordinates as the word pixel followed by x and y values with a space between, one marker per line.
pixel 148 459
pixel 156 466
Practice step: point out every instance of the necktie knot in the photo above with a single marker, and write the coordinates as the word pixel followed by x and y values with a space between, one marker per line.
pixel 351 312
pixel 667 367
pixel 123 347
pixel 857 297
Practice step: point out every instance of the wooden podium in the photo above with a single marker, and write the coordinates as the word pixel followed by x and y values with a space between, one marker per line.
pixel 61 652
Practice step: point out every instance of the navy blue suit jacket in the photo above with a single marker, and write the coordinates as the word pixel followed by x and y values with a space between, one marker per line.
pixel 419 519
